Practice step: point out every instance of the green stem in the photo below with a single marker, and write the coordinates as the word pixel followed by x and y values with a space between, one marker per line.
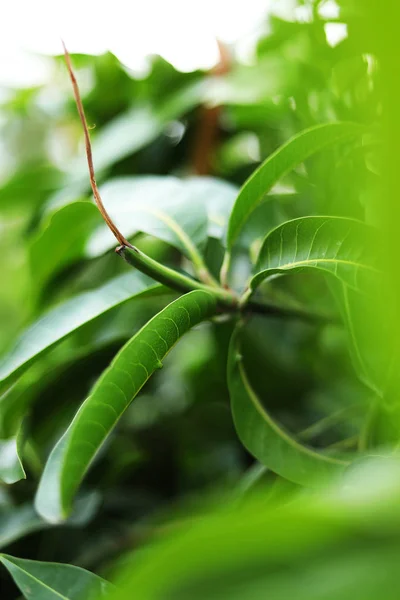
pixel 171 278
pixel 226 265
pixel 227 299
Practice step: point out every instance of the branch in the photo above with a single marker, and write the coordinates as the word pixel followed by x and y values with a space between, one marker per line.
pixel 173 279
pixel 99 202
pixel 256 307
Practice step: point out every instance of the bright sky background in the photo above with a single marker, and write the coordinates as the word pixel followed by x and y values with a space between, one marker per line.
pixel 183 31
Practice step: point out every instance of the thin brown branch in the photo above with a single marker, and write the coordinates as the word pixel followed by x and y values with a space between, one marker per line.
pixel 209 117
pixel 99 202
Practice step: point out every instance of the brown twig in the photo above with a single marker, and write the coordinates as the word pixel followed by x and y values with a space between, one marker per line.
pixel 208 123
pixel 99 202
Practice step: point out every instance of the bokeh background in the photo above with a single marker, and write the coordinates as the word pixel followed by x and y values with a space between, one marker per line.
pixel 203 92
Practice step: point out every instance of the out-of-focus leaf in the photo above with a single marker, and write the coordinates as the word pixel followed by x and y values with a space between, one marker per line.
pixel 11 467
pixel 61 240
pixel 52 581
pixel 329 538
pixel 19 521
pixel 29 186
pixel 335 245
pixel 283 160
pixel 61 321
pixel 112 394
pixel 247 85
pixel 264 438
pixel 126 134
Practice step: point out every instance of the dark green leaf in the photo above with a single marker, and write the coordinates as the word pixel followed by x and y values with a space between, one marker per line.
pixel 112 394
pixel 52 581
pixel 264 438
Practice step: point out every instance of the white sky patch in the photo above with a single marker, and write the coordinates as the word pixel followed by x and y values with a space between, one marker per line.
pixel 183 31
pixel 329 10
pixel 335 33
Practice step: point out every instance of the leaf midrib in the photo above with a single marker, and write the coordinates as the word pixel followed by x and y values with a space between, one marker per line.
pixel 180 233
pixel 308 261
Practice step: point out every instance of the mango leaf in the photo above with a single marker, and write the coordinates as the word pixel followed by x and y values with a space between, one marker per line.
pixel 339 246
pixel 159 206
pixel 329 537
pixel 52 581
pixel 20 521
pixel 59 322
pixel 11 468
pixel 111 395
pixel 61 240
pixel 264 438
pixel 281 162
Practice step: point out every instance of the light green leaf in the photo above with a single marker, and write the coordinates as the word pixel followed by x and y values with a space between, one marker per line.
pixel 339 246
pixel 125 135
pixel 61 321
pixel 281 162
pixel 112 394
pixel 53 581
pixel 61 240
pixel 11 468
pixel 159 206
pixel 264 438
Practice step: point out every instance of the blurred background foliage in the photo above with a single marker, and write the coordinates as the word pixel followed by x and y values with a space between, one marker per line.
pixel 176 443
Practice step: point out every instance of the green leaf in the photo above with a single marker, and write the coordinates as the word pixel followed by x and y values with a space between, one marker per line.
pixel 125 135
pixel 327 540
pixel 112 394
pixel 281 162
pixel 61 321
pixel 11 468
pixel 61 240
pixel 339 246
pixel 159 206
pixel 53 581
pixel 18 522
pixel 264 438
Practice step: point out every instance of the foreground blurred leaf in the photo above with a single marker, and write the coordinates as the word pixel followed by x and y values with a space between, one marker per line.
pixel 339 246
pixel 112 394
pixel 282 161
pixel 61 321
pixel 319 545
pixel 264 438
pixel 52 581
